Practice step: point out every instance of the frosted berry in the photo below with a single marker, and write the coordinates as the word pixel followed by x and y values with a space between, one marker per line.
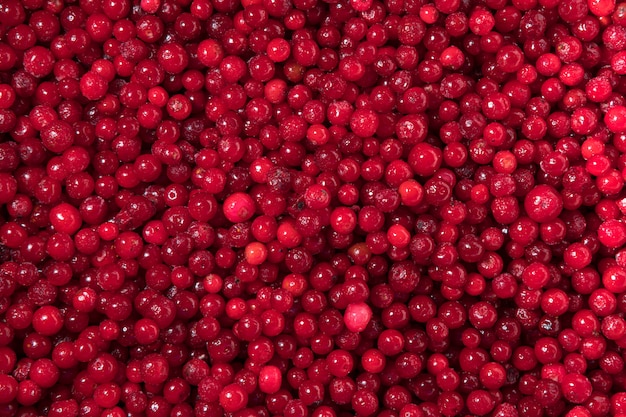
pixel 612 233
pixel 543 204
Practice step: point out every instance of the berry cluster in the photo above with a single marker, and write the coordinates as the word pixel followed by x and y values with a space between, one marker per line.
pixel 312 208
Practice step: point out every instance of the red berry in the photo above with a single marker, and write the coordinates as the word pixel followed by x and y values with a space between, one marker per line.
pixel 357 316
pixel 239 207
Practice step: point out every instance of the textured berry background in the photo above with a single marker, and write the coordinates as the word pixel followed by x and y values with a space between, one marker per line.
pixel 312 208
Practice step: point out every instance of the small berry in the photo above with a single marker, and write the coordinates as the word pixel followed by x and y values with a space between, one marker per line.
pixel 357 316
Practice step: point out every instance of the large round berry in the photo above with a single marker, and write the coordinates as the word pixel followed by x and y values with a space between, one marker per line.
pixel 543 203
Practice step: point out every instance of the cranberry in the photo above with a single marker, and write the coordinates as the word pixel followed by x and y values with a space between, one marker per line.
pixel 10 389
pixel 239 207
pixel 233 398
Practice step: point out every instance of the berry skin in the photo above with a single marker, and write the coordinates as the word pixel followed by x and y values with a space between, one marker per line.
pixel 361 5
pixel 239 207
pixel 614 119
pixel 47 320
pixel 425 159
pixel 357 316
pixel 614 279
pixel 233 398
pixel 93 86
pixel 612 233
pixel 8 188
pixel 576 388
pixel 411 192
pixel 150 6
pixel 270 379
pixel 38 61
pixel 543 204
pixel 65 218
pixel 601 8
pixel 8 389
pixel 57 136
pixel 364 122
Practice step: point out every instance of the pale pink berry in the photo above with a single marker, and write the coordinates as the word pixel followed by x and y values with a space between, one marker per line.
pixel 357 317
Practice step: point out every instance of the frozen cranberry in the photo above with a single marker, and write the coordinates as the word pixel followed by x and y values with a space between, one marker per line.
pixel 425 159
pixel 233 398
pixel 10 389
pixel 611 233
pixel 270 379
pixel 239 207
pixel 93 86
pixel 357 317
pixel 369 208
pixel 543 204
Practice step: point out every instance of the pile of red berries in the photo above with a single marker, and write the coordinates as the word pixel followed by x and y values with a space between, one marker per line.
pixel 312 208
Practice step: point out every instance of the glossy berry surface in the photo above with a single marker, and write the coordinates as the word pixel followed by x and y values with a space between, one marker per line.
pixel 311 208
